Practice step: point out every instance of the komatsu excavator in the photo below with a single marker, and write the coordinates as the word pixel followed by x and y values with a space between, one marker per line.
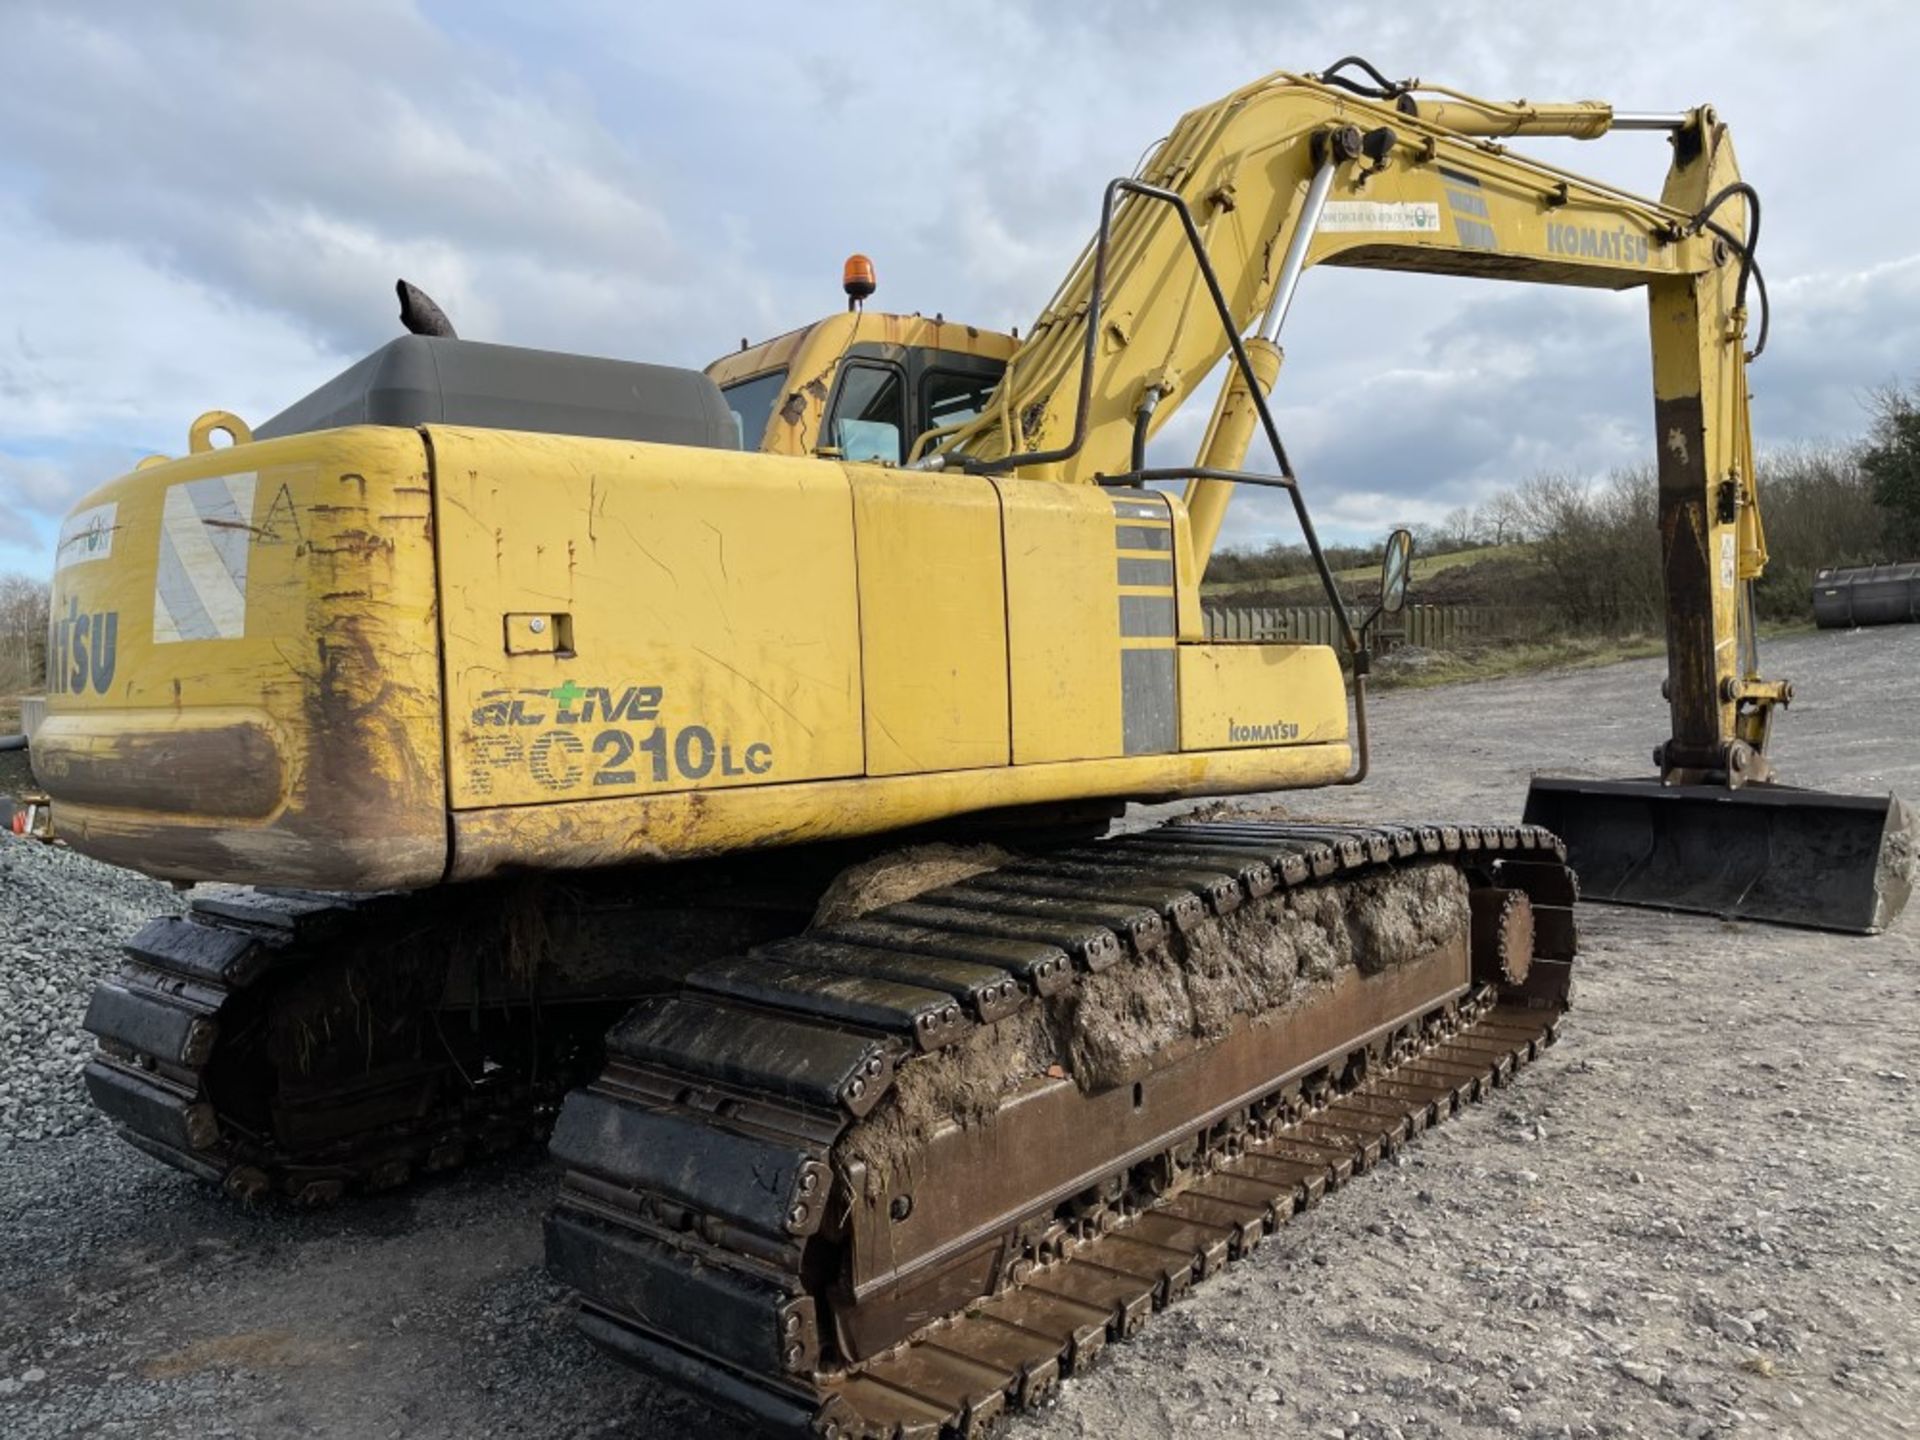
pixel 520 709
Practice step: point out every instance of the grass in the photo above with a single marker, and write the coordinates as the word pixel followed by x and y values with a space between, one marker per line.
pixel 1561 652
pixel 1519 657
pixel 1424 566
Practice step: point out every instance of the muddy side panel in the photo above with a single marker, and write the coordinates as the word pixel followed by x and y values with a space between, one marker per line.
pixel 244 667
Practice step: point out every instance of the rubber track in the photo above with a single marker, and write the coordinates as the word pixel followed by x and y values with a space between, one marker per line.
pixel 189 984
pixel 1012 1351
pixel 668 1211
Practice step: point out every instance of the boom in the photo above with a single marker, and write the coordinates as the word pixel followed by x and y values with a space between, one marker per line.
pixel 1295 171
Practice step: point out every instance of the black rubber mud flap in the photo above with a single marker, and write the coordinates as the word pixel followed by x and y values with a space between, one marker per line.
pixel 1771 853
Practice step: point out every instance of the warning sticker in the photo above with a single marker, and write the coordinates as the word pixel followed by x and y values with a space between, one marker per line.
pixel 1418 216
pixel 1726 560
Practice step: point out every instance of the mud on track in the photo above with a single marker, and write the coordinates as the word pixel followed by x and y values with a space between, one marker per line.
pixel 1695 1216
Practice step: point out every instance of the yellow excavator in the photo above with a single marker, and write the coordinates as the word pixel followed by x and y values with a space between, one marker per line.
pixel 554 739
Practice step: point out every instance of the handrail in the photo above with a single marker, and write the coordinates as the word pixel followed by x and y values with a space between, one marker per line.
pixel 1287 480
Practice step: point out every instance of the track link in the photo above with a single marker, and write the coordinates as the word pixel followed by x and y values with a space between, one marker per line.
pixel 705 1222
pixel 281 1042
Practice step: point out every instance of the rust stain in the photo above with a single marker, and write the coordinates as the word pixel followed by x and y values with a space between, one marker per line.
pixel 356 542
pixel 250 1350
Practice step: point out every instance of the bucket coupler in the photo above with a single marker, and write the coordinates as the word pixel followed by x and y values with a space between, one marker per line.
pixel 1771 853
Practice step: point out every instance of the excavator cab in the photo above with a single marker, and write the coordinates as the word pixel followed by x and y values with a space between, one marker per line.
pixel 861 386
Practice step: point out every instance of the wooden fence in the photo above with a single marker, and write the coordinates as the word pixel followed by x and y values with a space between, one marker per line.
pixel 1431 627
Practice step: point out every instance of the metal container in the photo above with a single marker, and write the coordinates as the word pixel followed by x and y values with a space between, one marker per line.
pixel 33 709
pixel 1866 595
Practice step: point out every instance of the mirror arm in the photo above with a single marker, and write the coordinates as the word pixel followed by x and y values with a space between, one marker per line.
pixel 1366 625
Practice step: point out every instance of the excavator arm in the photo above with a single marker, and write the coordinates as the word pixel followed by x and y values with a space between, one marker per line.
pixel 1199 256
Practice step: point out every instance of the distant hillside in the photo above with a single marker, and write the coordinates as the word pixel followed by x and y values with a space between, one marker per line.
pixel 1486 575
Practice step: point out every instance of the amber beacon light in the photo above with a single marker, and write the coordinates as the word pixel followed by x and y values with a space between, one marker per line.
pixel 856 278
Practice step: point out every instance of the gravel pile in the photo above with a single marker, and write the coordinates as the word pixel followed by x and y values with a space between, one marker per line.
pixel 62 918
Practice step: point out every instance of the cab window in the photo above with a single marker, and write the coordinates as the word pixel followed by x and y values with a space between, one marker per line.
pixel 752 402
pixel 953 397
pixel 870 414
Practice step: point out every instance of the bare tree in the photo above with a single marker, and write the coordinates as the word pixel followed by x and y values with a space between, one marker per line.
pixel 23 634
pixel 1460 530
pixel 1890 458
pixel 1503 519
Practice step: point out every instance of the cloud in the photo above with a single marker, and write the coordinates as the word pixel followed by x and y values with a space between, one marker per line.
pixel 207 205
pixel 350 143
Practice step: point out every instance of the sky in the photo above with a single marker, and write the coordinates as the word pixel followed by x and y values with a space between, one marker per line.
pixel 206 205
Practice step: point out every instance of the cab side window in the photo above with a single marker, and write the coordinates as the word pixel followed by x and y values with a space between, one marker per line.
pixel 953 397
pixel 870 414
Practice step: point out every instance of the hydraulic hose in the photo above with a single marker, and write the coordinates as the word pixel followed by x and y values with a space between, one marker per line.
pixel 1749 266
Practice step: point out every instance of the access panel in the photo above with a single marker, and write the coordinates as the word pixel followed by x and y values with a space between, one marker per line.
pixel 623 618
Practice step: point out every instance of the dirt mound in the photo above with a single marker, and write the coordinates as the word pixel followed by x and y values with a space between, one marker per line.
pixel 900 875
pixel 1108 1030
pixel 1234 808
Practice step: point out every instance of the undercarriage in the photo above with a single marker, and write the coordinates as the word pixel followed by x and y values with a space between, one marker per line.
pixel 892 1171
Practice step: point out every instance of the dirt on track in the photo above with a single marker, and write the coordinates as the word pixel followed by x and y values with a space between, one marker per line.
pixel 1697 1216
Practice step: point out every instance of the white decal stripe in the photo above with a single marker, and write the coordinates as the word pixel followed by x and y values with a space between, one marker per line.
pixel 200 580
pixel 225 602
pixel 165 631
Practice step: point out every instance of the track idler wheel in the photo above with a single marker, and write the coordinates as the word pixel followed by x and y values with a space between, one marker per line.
pixel 1502 936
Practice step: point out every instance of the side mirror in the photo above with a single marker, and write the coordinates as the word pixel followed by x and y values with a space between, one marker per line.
pixel 1396 569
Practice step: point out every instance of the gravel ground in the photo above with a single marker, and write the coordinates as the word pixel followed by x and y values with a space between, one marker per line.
pixel 1696 1217
pixel 62 918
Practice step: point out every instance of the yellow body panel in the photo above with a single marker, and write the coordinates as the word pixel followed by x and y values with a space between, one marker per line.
pixel 1062 633
pixel 1240 695
pixel 262 700
pixel 710 597
pixel 933 620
